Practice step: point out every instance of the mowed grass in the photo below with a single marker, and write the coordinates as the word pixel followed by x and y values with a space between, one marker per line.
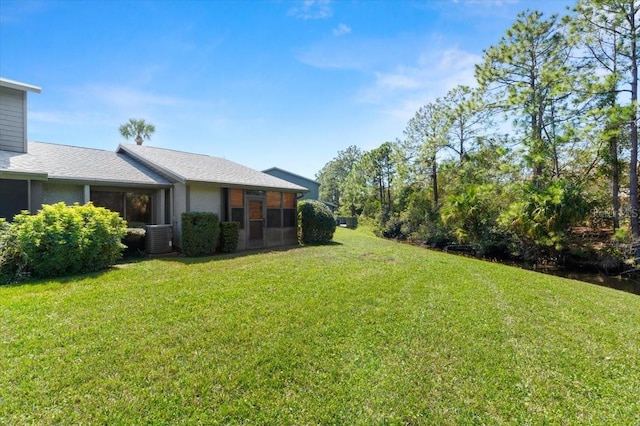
pixel 361 332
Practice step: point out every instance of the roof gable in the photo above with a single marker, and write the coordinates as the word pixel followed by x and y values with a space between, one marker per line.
pixel 72 163
pixel 189 167
pixel 276 171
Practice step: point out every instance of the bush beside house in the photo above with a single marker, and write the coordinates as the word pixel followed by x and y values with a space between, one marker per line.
pixel 199 233
pixel 135 241
pixel 229 236
pixel 316 224
pixel 60 240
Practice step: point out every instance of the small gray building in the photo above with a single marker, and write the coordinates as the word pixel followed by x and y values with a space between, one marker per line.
pixel 312 185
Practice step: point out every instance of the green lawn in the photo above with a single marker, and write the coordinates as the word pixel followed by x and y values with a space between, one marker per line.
pixel 364 331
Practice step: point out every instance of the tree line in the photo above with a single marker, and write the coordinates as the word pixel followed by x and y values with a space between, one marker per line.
pixel 546 141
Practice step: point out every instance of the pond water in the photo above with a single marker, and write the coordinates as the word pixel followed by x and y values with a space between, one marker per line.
pixel 627 282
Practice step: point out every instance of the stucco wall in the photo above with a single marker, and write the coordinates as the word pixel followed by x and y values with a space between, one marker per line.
pixel 205 198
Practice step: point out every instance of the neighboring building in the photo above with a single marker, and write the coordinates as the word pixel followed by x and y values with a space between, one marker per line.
pixel 310 184
pixel 144 184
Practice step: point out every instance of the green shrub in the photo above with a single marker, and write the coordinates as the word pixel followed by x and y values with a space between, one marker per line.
pixel 61 240
pixel 12 262
pixel 315 222
pixel 134 240
pixel 199 233
pixel 229 236
pixel 544 214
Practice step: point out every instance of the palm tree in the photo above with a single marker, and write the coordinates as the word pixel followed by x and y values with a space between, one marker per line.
pixel 138 128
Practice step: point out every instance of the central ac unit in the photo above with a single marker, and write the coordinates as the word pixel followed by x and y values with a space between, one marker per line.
pixel 159 239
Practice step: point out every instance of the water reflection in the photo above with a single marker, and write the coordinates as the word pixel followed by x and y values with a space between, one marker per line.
pixel 629 283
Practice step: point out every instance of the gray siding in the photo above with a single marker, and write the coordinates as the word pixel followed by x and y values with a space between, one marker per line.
pixel 13 127
pixel 311 185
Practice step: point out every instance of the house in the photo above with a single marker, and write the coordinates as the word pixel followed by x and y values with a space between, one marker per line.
pixel 148 185
pixel 264 205
pixel 312 185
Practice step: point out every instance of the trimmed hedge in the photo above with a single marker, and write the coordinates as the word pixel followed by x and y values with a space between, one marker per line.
pixel 316 224
pixel 61 240
pixel 229 236
pixel 199 233
pixel 135 241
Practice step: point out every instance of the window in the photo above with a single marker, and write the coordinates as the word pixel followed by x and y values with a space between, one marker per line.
pixel 15 197
pixel 132 207
pixel 113 201
pixel 289 217
pixel 274 209
pixel 236 197
pixel 274 218
pixel 237 215
pixel 289 209
pixel 281 209
pixel 138 207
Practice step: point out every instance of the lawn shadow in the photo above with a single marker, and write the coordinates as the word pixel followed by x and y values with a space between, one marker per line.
pixel 182 258
pixel 66 279
pixel 167 257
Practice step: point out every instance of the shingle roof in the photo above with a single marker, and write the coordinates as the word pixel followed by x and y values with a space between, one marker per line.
pixel 189 167
pixel 275 170
pixel 72 163
pixel 21 163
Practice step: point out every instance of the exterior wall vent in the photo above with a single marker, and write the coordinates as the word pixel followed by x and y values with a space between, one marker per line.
pixel 159 239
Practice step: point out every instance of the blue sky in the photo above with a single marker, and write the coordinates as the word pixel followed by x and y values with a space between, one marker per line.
pixel 263 83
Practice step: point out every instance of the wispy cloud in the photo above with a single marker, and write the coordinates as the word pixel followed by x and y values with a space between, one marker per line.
pixel 19 12
pixel 341 30
pixel 312 9
pixel 486 3
pixel 105 105
pixel 433 72
pixel 401 91
pixel 125 97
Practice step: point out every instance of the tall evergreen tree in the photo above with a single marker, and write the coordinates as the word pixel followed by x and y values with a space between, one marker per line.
pixel 609 32
pixel 528 74
pixel 468 119
pixel 426 134
pixel 333 175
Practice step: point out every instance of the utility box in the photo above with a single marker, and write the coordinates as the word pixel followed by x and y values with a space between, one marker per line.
pixel 159 239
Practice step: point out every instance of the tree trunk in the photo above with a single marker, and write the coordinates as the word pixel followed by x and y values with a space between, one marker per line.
pixel 615 181
pixel 434 180
pixel 633 169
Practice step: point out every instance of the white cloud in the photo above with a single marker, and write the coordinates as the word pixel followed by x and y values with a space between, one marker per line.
pixel 312 9
pixel 486 3
pixel 341 30
pixel 434 73
pixel 400 92
pixel 124 97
